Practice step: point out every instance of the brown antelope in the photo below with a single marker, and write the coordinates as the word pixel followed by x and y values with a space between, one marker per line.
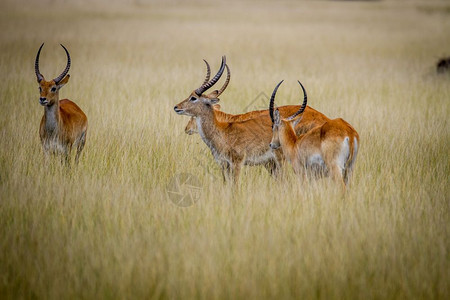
pixel 64 124
pixel 233 142
pixel 329 149
pixel 311 117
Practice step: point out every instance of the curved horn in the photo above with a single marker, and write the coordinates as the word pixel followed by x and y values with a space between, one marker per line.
pixel 226 82
pixel 66 70
pixel 302 108
pixel 36 65
pixel 272 100
pixel 208 72
pixel 216 78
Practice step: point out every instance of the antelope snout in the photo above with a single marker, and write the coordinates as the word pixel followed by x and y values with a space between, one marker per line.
pixel 177 110
pixel 274 146
pixel 43 101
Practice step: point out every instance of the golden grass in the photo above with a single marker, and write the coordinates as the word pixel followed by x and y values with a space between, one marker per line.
pixel 107 229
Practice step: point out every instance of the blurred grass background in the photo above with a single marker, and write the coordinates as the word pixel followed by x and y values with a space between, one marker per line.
pixel 107 229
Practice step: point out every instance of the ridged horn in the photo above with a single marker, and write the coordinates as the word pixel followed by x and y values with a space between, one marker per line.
pixel 36 65
pixel 302 108
pixel 213 81
pixel 66 70
pixel 226 82
pixel 272 100
pixel 208 72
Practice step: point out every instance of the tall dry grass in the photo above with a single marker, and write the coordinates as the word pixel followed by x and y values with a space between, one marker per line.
pixel 108 229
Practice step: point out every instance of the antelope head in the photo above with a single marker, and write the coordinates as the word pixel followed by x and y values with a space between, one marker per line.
pixel 49 90
pixel 198 101
pixel 279 125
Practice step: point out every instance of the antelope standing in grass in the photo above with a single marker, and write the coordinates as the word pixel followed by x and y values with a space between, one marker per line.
pixel 64 124
pixel 232 142
pixel 329 149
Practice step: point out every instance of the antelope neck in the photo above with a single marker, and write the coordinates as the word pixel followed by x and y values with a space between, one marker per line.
pixel 207 128
pixel 52 117
pixel 288 139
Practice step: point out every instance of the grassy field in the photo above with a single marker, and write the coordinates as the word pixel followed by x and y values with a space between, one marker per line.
pixel 109 228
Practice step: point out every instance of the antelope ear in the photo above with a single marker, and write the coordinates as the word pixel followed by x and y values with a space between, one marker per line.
pixel 297 120
pixel 213 94
pixel 276 117
pixel 216 106
pixel 64 81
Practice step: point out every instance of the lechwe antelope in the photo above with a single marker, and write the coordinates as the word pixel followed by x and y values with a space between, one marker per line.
pixel 64 124
pixel 329 149
pixel 232 142
pixel 311 117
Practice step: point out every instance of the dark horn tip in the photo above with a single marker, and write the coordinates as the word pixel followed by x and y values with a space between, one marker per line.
pixel 272 99
pixel 303 88
pixel 64 47
pixel 278 85
pixel 40 48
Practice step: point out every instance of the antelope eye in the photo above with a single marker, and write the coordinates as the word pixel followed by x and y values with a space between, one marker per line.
pixel 193 99
pixel 53 89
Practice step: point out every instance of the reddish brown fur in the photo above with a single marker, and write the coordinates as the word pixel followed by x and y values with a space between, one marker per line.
pixel 235 140
pixel 311 118
pixel 241 139
pixel 326 141
pixel 63 124
pixel 72 122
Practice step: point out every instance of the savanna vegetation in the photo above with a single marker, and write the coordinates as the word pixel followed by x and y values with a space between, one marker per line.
pixel 110 228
